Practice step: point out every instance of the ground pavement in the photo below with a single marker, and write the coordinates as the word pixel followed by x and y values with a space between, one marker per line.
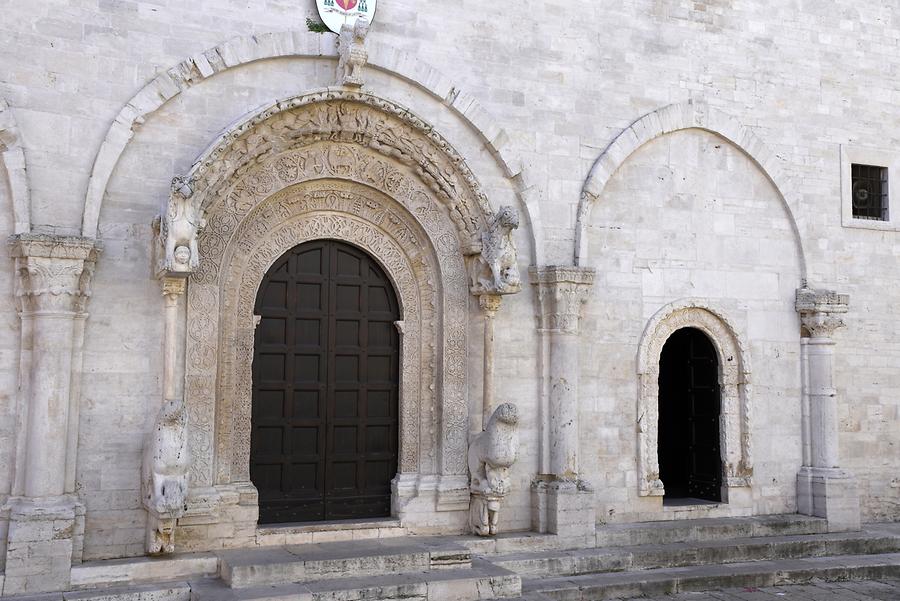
pixel 866 590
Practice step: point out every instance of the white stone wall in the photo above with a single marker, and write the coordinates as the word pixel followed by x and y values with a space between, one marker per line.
pixel 804 78
pixel 689 216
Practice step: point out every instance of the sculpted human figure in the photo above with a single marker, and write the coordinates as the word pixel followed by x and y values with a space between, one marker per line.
pixel 496 270
pixel 166 475
pixel 491 454
pixel 353 53
pixel 179 229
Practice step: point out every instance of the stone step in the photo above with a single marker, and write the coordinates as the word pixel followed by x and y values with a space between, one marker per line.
pixel 668 581
pixel 615 559
pixel 481 581
pixel 707 529
pixel 298 563
pixel 163 591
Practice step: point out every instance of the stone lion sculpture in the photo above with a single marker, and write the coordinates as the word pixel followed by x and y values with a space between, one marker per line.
pixel 179 228
pixel 491 454
pixel 496 269
pixel 353 53
pixel 165 472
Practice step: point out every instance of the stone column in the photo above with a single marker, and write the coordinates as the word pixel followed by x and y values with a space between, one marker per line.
pixel 823 488
pixel 562 502
pixel 490 304
pixel 53 287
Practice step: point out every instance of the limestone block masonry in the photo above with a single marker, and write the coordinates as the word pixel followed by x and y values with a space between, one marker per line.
pixel 641 167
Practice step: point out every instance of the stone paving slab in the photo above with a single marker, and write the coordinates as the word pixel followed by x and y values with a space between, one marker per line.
pixel 863 590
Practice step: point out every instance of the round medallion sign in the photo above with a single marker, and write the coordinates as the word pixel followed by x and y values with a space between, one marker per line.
pixel 335 13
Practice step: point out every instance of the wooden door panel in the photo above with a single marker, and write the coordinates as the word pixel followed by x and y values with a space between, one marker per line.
pixel 325 373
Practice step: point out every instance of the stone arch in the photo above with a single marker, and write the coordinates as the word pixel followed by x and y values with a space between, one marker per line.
pixel 350 167
pixel 12 152
pixel 670 119
pixel 301 44
pixel 734 380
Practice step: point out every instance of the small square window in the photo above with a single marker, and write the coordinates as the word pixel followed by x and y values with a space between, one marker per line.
pixel 870 192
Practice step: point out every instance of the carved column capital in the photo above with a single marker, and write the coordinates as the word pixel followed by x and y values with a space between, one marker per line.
pixel 53 272
pixel 820 311
pixel 561 293
pixel 173 287
pixel 490 304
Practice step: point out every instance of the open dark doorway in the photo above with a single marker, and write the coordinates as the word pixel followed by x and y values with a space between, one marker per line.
pixel 690 460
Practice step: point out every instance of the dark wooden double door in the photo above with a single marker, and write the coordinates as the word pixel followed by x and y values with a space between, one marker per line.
pixel 325 387
pixel 690 461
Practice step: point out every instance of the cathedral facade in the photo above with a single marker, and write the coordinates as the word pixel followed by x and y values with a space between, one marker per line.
pixel 465 267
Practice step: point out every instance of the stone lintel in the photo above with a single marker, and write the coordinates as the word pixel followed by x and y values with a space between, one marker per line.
pixel 561 290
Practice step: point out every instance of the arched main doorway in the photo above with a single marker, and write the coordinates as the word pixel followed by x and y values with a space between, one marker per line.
pixel 690 405
pixel 325 386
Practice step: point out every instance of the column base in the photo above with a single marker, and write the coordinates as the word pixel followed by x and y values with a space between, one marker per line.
pixel 832 494
pixel 42 543
pixel 563 507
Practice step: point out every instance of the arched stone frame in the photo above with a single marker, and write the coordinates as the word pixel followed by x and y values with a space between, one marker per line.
pixel 351 167
pixel 670 119
pixel 734 380
pixel 244 50
pixel 12 157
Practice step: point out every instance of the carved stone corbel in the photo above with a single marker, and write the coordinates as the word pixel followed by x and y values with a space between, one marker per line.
pixel 353 54
pixel 177 231
pixel 495 270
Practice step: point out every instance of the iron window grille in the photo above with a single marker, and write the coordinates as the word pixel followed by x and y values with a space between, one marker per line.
pixel 870 192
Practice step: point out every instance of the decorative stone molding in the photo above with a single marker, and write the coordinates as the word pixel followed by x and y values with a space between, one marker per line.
pixel 734 381
pixel 491 455
pixel 352 53
pixel 820 311
pixel 12 153
pixel 670 119
pixel 561 291
pixel 54 272
pixel 325 185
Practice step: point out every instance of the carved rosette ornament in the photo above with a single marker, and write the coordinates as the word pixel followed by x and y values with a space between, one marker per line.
pixel 820 311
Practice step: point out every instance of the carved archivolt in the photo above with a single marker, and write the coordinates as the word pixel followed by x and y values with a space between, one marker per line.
pixel 346 170
pixel 734 380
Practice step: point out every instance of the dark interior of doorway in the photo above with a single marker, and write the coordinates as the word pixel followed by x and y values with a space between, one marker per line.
pixel 690 461
pixel 324 439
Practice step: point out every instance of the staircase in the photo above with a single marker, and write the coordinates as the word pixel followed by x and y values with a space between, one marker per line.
pixel 628 561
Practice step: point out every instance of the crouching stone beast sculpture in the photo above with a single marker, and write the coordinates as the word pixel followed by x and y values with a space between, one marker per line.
pixel 491 454
pixel 165 471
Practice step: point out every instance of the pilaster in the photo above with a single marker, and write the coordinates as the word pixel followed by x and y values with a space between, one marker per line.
pixel 823 488
pixel 46 519
pixel 561 502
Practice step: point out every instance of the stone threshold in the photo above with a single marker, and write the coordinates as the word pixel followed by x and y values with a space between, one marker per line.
pixel 328 532
pixel 329 525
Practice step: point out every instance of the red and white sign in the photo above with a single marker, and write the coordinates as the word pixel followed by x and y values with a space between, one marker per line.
pixel 335 13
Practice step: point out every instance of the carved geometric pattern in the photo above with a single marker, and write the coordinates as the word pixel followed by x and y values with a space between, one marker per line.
pixel 734 376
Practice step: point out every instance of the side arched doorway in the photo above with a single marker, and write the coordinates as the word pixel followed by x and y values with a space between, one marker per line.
pixel 690 407
pixel 324 439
